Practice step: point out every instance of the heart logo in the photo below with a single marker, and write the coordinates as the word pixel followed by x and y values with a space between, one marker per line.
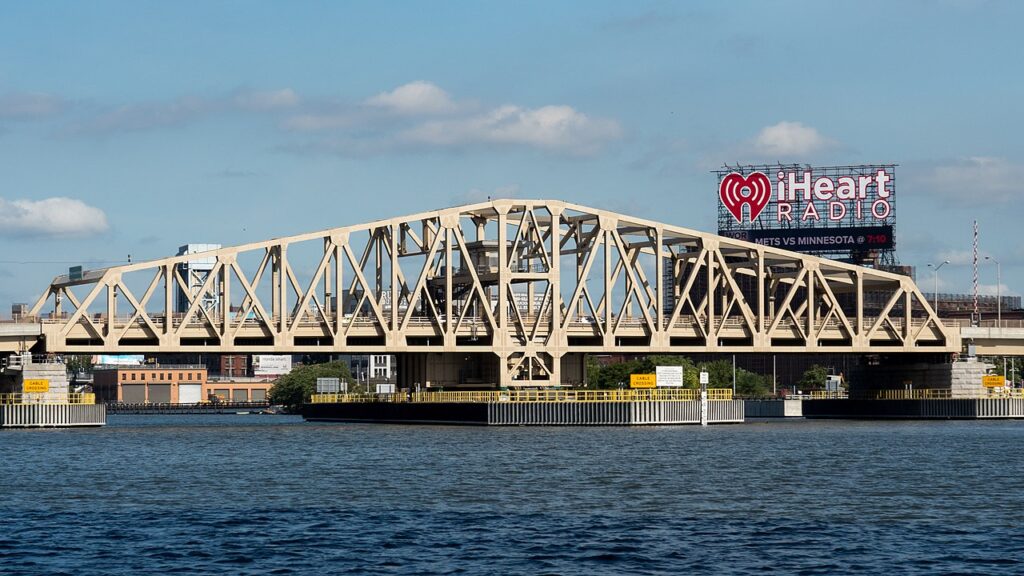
pixel 754 190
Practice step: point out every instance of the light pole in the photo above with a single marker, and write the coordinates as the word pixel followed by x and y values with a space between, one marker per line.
pixel 999 286
pixel 935 284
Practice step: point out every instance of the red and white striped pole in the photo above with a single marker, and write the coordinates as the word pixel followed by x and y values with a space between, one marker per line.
pixel 977 317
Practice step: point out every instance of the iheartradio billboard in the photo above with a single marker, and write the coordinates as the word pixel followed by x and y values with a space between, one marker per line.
pixel 815 209
pixel 865 197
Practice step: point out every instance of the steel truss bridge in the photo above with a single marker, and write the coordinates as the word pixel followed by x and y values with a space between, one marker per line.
pixel 527 283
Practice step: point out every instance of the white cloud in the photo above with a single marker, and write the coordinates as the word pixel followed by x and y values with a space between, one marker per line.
pixel 181 111
pixel 26 105
pixel 267 100
pixel 977 179
pixel 789 139
pixel 315 122
pixel 414 99
pixel 146 116
pixel 959 257
pixel 558 128
pixel 57 216
pixel 996 290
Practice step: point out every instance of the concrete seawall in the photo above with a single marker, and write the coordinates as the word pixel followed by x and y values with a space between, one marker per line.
pixel 966 409
pixel 773 408
pixel 529 413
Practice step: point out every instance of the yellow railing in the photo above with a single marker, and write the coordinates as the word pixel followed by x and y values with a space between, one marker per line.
pixel 928 394
pixel 916 394
pixel 827 394
pixel 661 394
pixel 48 398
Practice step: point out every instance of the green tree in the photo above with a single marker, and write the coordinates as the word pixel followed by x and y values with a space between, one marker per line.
pixel 611 376
pixel 294 389
pixel 749 384
pixel 78 363
pixel 813 378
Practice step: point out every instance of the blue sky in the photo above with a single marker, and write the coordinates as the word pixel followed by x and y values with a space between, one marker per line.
pixel 135 127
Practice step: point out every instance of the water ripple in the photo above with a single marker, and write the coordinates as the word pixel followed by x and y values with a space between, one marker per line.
pixel 269 495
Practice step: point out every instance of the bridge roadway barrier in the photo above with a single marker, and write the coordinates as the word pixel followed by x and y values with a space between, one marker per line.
pixel 52 415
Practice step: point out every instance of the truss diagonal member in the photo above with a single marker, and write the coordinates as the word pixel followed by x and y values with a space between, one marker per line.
pixel 787 301
pixel 477 286
pixel 544 305
pixel 313 283
pixel 598 319
pixel 581 282
pixel 198 299
pixel 518 321
pixel 254 302
pixel 83 310
pixel 255 282
pixel 684 294
pixel 421 282
pixel 361 279
pixel 884 315
pixel 744 306
pixel 140 310
pixel 834 307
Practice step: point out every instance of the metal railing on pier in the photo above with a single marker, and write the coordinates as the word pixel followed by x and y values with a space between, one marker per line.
pixel 938 394
pixel 48 398
pixel 632 395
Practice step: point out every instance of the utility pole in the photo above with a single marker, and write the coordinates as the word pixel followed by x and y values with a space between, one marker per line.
pixel 999 294
pixel 935 284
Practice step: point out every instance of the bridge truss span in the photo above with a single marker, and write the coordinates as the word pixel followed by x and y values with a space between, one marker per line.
pixel 529 281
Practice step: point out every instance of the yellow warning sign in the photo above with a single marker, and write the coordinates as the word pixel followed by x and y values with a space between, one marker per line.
pixel 35 385
pixel 992 381
pixel 643 380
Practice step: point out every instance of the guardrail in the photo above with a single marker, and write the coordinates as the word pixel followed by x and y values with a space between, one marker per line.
pixel 48 398
pixel 674 394
pixel 938 394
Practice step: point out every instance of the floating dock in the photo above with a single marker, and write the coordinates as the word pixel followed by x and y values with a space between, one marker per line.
pixel 530 408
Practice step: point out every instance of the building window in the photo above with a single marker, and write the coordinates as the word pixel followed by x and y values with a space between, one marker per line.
pixel 188 376
pixel 169 376
pixel 133 375
pixel 124 376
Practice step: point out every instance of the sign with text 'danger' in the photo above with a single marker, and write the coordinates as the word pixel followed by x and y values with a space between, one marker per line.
pixel 669 376
pixel 643 381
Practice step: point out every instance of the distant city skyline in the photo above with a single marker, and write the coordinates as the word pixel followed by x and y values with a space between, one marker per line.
pixel 130 128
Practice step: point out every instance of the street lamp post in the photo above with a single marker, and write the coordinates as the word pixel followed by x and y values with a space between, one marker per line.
pixel 935 284
pixel 999 295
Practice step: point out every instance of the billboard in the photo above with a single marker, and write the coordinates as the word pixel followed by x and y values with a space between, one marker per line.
pixel 820 239
pixel 811 209
pixel 271 364
pixel 119 359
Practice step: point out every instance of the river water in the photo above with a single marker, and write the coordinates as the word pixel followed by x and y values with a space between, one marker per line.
pixel 252 494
